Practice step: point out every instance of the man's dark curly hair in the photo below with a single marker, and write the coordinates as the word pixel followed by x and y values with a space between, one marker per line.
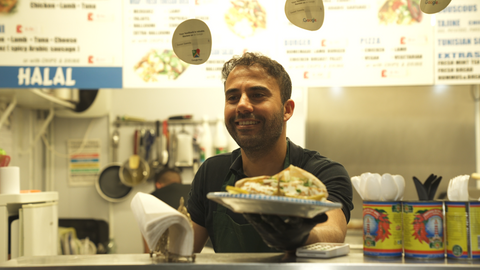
pixel 272 67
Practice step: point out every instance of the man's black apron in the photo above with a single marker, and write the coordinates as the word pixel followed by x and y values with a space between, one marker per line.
pixel 233 237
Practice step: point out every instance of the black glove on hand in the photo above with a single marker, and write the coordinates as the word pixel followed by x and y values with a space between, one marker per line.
pixel 286 233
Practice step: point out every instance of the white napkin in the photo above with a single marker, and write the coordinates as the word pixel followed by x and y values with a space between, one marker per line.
pixel 458 188
pixel 154 217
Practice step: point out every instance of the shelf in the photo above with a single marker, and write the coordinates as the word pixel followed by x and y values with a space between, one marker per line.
pixel 34 99
pixel 23 198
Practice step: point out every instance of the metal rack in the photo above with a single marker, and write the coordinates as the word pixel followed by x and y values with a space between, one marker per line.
pixel 138 121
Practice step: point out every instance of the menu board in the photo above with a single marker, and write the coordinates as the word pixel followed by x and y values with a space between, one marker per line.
pixel 60 44
pixel 149 60
pixel 457 44
pixel 236 26
pixel 362 43
pixel 94 44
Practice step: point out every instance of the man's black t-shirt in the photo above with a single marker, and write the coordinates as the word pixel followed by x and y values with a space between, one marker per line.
pixel 214 173
pixel 172 193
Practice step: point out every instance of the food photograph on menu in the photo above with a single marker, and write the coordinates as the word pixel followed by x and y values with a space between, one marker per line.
pixel 8 6
pixel 244 18
pixel 160 63
pixel 400 12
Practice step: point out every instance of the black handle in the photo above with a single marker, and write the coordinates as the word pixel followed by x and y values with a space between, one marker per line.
pixel 422 193
pixel 157 125
pixel 428 182
pixel 433 188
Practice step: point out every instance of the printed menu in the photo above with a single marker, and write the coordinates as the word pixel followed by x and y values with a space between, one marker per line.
pixel 149 61
pixel 94 44
pixel 60 44
pixel 457 44
pixel 363 43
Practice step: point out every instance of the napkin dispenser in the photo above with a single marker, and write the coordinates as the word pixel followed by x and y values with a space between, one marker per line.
pixel 168 232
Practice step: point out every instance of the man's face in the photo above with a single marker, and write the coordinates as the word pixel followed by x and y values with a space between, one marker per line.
pixel 254 113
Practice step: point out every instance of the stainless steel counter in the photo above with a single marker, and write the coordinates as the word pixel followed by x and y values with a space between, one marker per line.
pixel 278 261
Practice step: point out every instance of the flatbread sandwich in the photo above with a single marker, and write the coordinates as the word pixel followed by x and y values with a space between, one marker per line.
pixel 292 182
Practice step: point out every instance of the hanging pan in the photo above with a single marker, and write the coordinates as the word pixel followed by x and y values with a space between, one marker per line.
pixel 135 170
pixel 108 184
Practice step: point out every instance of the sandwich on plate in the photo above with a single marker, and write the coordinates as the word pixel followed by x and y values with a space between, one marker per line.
pixel 292 182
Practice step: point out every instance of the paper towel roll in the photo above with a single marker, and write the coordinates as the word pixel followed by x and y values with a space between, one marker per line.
pixel 9 180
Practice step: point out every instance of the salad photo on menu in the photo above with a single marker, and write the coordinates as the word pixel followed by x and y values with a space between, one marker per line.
pixel 245 17
pixel 160 63
pixel 7 6
pixel 400 12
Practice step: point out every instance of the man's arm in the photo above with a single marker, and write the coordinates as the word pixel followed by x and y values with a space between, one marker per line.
pixel 333 230
pixel 200 237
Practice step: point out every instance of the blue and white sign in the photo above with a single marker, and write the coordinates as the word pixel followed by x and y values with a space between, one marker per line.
pixel 61 44
pixel 60 77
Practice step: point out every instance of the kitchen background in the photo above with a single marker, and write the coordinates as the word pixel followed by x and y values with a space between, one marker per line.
pixel 47 167
pixel 411 131
pixel 419 123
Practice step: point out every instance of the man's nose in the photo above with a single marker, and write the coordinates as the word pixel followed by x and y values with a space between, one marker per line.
pixel 244 105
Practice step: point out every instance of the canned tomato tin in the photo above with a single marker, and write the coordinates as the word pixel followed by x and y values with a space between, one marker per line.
pixel 423 230
pixel 463 229
pixel 382 229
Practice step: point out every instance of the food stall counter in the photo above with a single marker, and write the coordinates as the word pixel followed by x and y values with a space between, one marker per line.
pixel 354 260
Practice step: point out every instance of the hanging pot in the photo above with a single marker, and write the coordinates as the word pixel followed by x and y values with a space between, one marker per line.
pixel 135 170
pixel 108 183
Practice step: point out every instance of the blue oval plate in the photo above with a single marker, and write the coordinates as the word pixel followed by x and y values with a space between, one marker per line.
pixel 274 205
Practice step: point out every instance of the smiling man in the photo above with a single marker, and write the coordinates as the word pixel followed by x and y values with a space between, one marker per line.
pixel 257 107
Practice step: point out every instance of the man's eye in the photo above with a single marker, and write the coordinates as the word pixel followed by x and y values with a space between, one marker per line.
pixel 232 98
pixel 258 95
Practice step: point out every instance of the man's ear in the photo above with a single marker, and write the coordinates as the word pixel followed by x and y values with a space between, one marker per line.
pixel 158 185
pixel 288 109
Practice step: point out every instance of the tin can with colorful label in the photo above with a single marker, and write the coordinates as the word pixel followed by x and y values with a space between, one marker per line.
pixel 423 230
pixel 463 230
pixel 382 229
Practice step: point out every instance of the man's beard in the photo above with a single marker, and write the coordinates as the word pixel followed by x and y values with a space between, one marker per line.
pixel 265 138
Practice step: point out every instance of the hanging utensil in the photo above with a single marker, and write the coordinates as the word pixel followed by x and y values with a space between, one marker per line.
pixel 164 151
pixel 135 170
pixel 134 160
pixel 108 184
pixel 149 139
pixel 184 153
pixel 156 150
pixel 115 143
pixel 173 146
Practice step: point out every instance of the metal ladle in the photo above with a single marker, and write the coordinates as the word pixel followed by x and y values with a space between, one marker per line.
pixel 115 143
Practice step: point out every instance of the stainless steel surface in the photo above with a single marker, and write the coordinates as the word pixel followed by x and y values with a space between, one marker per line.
pixel 354 260
pixel 396 129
